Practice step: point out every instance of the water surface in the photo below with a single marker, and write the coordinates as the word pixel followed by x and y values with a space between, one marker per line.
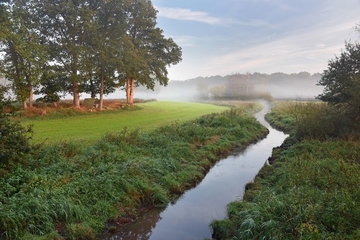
pixel 189 217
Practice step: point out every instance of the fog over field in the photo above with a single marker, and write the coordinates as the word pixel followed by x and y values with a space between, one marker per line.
pixel 297 86
pixel 279 85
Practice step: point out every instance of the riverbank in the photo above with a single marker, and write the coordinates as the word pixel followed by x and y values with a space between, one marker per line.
pixel 189 216
pixel 68 191
pixel 309 192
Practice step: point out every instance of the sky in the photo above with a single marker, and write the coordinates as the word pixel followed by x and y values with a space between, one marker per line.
pixel 222 37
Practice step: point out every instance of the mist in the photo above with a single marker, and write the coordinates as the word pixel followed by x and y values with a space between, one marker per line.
pixel 281 86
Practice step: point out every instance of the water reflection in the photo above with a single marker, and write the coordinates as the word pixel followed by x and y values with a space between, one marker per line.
pixel 190 216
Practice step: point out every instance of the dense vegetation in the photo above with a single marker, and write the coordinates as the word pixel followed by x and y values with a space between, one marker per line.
pixel 68 190
pixel 310 191
pixel 50 47
pixel 14 138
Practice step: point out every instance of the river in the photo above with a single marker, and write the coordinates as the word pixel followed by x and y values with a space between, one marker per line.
pixel 189 217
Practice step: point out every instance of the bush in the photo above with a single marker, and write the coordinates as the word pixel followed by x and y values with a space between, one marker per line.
pixel 14 139
pixel 313 120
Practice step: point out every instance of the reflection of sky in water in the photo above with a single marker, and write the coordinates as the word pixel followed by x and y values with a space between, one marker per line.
pixel 190 216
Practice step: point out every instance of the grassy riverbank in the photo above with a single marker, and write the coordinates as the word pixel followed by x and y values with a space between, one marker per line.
pixel 68 190
pixel 311 190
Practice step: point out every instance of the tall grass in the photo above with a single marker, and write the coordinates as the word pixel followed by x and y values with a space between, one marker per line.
pixel 310 192
pixel 71 191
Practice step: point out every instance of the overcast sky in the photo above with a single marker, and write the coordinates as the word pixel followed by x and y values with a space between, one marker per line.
pixel 221 37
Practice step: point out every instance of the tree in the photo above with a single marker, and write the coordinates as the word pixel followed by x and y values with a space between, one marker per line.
pixel 24 53
pixel 218 92
pixel 147 52
pixel 14 138
pixel 52 84
pixel 64 24
pixel 341 81
pixel 105 42
pixel 239 86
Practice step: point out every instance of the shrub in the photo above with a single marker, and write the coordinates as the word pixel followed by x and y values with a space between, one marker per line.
pixel 14 140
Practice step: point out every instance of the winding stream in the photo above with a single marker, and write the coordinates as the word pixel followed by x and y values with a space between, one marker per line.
pixel 189 217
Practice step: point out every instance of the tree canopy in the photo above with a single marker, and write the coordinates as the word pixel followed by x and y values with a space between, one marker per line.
pixel 341 81
pixel 149 52
pixel 95 45
pixel 24 52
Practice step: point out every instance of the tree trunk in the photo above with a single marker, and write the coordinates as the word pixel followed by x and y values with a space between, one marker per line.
pixel 24 104
pixel 101 90
pixel 130 87
pixel 76 100
pixel 31 95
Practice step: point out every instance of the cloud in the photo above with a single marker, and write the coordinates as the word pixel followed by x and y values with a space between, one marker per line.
pixel 187 14
pixel 197 16
pixel 185 41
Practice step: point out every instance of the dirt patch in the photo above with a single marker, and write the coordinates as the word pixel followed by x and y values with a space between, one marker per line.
pixel 198 145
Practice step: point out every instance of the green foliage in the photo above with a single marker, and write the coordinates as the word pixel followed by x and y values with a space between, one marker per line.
pixel 342 82
pixel 52 84
pixel 148 52
pixel 24 53
pixel 14 138
pixel 312 120
pixel 283 116
pixel 14 141
pixel 74 189
pixel 311 190
pixel 312 194
pixel 94 46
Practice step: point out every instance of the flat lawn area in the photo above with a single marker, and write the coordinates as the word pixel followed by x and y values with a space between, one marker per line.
pixel 89 128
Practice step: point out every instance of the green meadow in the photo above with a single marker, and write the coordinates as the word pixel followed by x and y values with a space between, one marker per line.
pixel 92 126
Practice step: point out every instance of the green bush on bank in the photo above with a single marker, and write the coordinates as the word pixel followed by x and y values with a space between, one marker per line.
pixel 70 191
pixel 312 120
pixel 310 192
pixel 14 139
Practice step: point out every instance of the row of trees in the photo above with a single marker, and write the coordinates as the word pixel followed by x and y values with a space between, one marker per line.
pixel 92 46
pixel 253 85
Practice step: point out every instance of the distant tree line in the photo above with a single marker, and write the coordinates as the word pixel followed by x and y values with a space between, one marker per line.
pixel 85 46
pixel 249 86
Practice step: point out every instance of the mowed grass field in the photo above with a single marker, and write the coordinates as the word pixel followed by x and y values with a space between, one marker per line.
pixel 91 127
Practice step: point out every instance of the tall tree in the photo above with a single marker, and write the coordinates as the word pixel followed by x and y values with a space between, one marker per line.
pixel 341 81
pixel 105 42
pixel 147 52
pixel 24 53
pixel 64 24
